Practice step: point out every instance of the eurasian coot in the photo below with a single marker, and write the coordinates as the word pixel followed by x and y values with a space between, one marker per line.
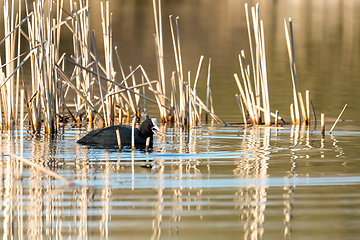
pixel 106 137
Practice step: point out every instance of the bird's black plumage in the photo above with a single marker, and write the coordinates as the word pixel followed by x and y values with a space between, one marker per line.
pixel 106 137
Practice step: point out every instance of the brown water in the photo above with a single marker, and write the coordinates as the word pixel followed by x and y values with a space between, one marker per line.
pixel 214 181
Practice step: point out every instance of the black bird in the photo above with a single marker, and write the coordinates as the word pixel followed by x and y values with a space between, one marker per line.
pixel 106 137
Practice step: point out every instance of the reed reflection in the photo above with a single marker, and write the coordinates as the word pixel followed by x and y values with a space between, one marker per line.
pixel 251 200
pixel 38 208
pixel 182 141
pixel 158 205
pixel 82 195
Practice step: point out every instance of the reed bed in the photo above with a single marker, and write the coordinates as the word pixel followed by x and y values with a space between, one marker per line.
pixel 301 112
pixel 101 94
pixel 104 96
pixel 253 98
pixel 185 105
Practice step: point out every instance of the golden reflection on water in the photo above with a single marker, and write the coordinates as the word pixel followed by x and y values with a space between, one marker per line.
pixel 38 207
pixel 252 199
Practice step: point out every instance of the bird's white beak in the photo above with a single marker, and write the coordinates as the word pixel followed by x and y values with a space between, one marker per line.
pixel 154 128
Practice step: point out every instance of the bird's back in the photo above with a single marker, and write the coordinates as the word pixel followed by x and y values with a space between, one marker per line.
pixel 106 137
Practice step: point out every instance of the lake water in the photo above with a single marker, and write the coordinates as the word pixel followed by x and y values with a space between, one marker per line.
pixel 214 181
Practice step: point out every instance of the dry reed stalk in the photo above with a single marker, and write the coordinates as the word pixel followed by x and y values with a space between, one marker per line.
pixel 302 107
pixel 106 120
pixel 161 106
pixel 34 107
pixel 118 139
pixel 208 89
pixel 9 55
pixel 136 96
pixel 22 99
pixel 308 107
pixel 248 89
pixel 8 79
pixel 16 28
pixel 276 118
pixel 212 114
pixel 76 49
pixel 257 92
pixel 193 95
pixel 246 100
pixel 46 60
pixel 241 108
pixel 177 55
pixel 312 107
pixel 257 75
pixel 292 113
pixel 259 80
pixel 271 113
pixel 176 50
pixel 178 47
pixel 108 50
pixel 291 53
pixel 189 102
pixel 322 124
pixel 133 135
pixel 18 62
pixel 198 73
pixel 82 39
pixel 118 99
pixel 186 110
pixel 149 83
pixel 65 78
pixel 181 74
pixel 160 54
pixel 174 105
pixel 333 126
pixel 264 79
pixel 129 96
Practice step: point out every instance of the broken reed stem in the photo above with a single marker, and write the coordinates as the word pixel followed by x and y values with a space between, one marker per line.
pixel 198 72
pixel 276 118
pixel 118 139
pixel 271 113
pixel 322 124
pixel 332 128
pixel 41 168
